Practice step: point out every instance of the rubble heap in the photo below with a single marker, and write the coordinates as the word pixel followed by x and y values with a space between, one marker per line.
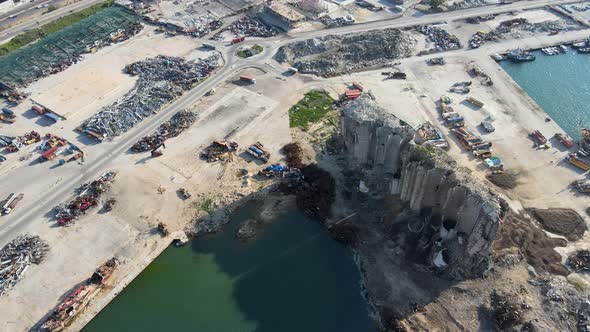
pixel 171 128
pixel 579 261
pixel 333 55
pixel 442 39
pixel 88 196
pixel 161 79
pixel 16 256
pixel 251 26
pixel 219 150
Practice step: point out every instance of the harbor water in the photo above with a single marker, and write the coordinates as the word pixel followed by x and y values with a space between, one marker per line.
pixel 292 277
pixel 560 84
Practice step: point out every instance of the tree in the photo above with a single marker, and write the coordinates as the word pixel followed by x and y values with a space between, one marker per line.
pixel 435 4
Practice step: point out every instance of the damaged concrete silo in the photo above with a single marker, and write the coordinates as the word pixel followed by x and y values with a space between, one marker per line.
pixel 459 216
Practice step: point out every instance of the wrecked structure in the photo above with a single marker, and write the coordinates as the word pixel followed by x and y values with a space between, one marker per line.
pixel 16 256
pixel 455 217
pixel 333 55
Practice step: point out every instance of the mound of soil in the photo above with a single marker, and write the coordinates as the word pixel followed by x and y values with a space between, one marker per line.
pixel 504 180
pixel 505 311
pixel 565 222
pixel 534 244
pixel 292 152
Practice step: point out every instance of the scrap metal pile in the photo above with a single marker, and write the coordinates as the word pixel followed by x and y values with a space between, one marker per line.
pixel 17 143
pixel 171 128
pixel 219 150
pixel 579 261
pixel 16 256
pixel 442 39
pixel 336 54
pixel 89 194
pixel 161 79
pixel 251 26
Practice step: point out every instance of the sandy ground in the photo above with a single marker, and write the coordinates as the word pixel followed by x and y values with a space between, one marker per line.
pixel 99 80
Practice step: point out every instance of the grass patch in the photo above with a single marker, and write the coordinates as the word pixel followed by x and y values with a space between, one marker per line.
pixel 312 108
pixel 207 206
pixel 248 52
pixel 35 34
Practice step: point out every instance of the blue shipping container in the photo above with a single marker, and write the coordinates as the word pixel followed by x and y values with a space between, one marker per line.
pixel 7 111
pixel 52 116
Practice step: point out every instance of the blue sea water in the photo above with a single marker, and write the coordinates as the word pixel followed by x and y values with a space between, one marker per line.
pixel 560 84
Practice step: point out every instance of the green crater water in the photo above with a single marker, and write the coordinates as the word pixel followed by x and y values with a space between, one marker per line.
pixel 560 84
pixel 292 277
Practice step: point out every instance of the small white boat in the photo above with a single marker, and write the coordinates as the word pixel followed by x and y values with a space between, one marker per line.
pixel 499 57
pixel 563 48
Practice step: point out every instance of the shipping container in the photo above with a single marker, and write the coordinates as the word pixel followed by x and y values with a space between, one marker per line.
pixel 248 79
pixel 52 116
pixel 39 109
pixel 238 40
pixel 7 111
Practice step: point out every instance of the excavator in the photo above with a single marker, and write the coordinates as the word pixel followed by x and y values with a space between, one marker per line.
pixel 156 152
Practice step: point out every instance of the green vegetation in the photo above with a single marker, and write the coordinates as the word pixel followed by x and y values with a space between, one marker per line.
pixel 33 35
pixel 208 206
pixel 310 109
pixel 248 52
pixel 51 8
pixel 435 4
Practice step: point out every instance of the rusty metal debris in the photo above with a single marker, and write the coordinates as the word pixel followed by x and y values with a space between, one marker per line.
pixel 579 261
pixel 442 39
pixel 171 128
pixel 219 150
pixel 161 79
pixel 250 26
pixel 88 196
pixel 16 256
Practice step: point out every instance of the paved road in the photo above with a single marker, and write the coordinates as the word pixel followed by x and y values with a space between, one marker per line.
pixel 17 222
pixel 9 33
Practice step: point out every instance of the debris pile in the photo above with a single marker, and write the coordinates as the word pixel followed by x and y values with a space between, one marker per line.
pixel 161 79
pixel 251 26
pixel 505 312
pixel 440 61
pixel 481 37
pixel 565 222
pixel 293 154
pixel 14 144
pixel 336 54
pixel 442 39
pixel 337 21
pixel 219 150
pixel 171 128
pixel 467 4
pixel 579 261
pixel 475 71
pixel 16 256
pixel 88 196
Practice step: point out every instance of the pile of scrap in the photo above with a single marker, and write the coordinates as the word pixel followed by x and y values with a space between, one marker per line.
pixel 17 143
pixel 163 229
pixel 6 140
pixel 440 61
pixel 10 203
pixel 579 261
pixel 51 146
pixel 219 151
pixel 461 87
pixel 171 128
pixel 251 26
pixel 428 134
pixel 291 174
pixel 394 75
pixel 480 37
pixel 88 196
pixel 564 139
pixel 475 71
pixel 161 79
pixel 442 39
pixel 77 300
pixel 16 256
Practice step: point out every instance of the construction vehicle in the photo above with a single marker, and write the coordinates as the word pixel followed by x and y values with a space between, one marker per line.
pixel 258 151
pixel 184 193
pixel 5 118
pixel 49 154
pixel 11 203
pixel 475 102
pixel 163 229
pixel 573 159
pixel 565 140
pixel 79 155
pixel 538 138
pixel 155 152
pixel 248 79
pixel 108 206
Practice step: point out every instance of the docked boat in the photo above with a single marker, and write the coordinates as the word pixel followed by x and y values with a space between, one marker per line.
pixel 499 57
pixel 584 50
pixel 563 48
pixel 520 56
pixel 78 300
pixel 564 139
pixel 550 50
pixel 580 44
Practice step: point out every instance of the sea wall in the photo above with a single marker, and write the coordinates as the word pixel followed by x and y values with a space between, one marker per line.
pixel 455 216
